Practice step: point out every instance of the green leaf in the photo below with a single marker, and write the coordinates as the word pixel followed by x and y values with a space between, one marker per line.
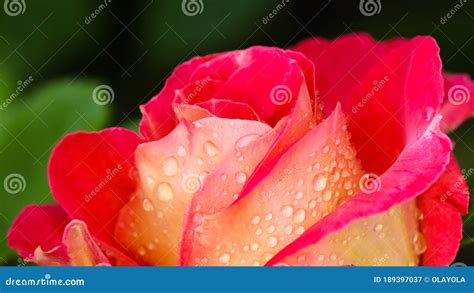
pixel 30 126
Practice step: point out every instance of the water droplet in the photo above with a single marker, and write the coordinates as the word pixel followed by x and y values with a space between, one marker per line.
pixel 170 166
pixel 150 181
pixel 245 141
pixel 327 195
pixel 333 256
pixel 210 148
pixel 299 216
pixel 254 246
pixel 299 182
pixel 272 241
pixel 319 182
pixel 271 229
pixel 181 151
pixel 288 229
pixel 268 217
pixel 224 258
pixel 299 195
pixel 141 251
pixel 378 227
pixel 419 243
pixel 255 220
pixel 147 205
pixel 259 232
pixel 240 177
pixel 287 211
pixel 312 204
pixel 165 192
pixel 299 231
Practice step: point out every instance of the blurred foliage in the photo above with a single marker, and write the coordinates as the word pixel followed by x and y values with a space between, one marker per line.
pixel 133 46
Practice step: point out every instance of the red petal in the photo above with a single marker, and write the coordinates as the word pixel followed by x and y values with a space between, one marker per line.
pixel 229 109
pixel 458 104
pixel 392 90
pixel 442 207
pixel 417 168
pixel 78 246
pixel 89 175
pixel 158 117
pixel 37 225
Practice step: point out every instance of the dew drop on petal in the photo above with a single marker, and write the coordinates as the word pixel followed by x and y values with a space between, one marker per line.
pixel 210 148
pixel 147 205
pixel 240 177
pixel 181 151
pixel 224 258
pixel 378 227
pixel 287 211
pixel 272 241
pixel 299 195
pixel 327 195
pixel 255 220
pixel 170 166
pixel 245 141
pixel 299 216
pixel 419 243
pixel 319 182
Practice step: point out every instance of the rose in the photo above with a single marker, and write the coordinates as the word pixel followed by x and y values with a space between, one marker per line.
pixel 240 164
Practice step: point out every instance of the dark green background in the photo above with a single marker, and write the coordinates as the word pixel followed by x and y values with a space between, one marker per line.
pixel 133 45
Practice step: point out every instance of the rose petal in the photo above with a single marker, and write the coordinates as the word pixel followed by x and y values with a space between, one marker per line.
pixel 37 225
pixel 392 90
pixel 89 175
pixel 417 168
pixel 157 114
pixel 442 207
pixel 171 171
pixel 306 182
pixel 458 104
